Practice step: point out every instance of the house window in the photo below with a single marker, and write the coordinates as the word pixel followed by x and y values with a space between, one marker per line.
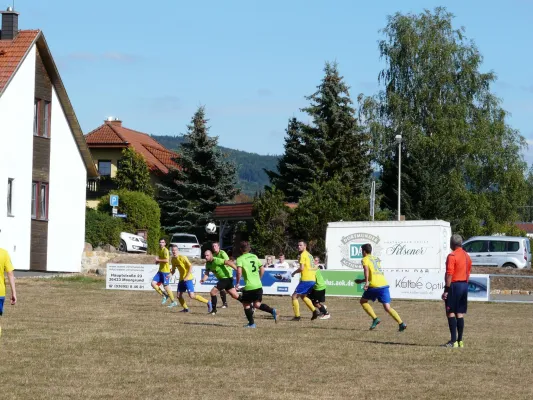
pixel 36 107
pixel 10 197
pixel 104 167
pixel 39 200
pixel 47 119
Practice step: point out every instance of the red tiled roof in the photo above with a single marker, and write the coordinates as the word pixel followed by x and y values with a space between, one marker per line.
pixel 113 134
pixel 525 226
pixel 12 52
pixel 239 210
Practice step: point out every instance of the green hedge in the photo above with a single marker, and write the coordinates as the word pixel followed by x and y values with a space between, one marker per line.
pixel 102 228
pixel 142 213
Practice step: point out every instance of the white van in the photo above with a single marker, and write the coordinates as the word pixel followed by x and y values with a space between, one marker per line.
pixel 400 245
pixel 499 251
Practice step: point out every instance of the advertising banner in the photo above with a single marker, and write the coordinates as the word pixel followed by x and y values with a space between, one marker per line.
pixel 419 285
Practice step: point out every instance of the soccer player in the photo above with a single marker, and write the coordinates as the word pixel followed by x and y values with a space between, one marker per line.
pixel 185 284
pixel 307 281
pixel 6 268
pixel 249 266
pixel 218 253
pixel 163 275
pixel 318 296
pixel 223 270
pixel 376 288
pixel 455 296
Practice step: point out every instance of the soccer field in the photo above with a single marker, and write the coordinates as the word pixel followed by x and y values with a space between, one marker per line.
pixel 71 338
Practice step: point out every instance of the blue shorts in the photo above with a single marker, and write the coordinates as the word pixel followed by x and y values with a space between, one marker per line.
pixel 457 300
pixel 162 277
pixel 186 286
pixel 380 294
pixel 2 305
pixel 304 287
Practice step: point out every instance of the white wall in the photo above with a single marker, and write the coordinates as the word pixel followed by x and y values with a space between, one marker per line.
pixel 16 160
pixel 66 214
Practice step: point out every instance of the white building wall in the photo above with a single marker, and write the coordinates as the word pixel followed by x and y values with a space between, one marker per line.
pixel 16 160
pixel 66 213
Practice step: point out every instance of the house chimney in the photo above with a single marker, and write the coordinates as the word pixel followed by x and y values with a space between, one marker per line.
pixel 10 24
pixel 113 121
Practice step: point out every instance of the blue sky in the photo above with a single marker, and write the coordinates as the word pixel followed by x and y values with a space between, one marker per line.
pixel 250 63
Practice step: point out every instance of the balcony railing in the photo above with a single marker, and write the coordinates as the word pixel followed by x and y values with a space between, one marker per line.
pixel 97 188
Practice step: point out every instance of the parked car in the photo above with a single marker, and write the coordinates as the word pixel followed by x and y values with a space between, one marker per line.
pixel 499 251
pixel 188 244
pixel 132 243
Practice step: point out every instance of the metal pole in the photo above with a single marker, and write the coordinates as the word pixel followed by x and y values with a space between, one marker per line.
pixel 399 176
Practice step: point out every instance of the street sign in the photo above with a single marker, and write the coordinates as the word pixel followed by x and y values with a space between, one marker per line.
pixel 120 215
pixel 113 200
pixel 114 210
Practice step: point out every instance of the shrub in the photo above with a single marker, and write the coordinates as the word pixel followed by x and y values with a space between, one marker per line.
pixel 101 228
pixel 142 213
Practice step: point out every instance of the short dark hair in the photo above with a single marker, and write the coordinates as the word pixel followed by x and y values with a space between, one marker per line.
pixel 367 248
pixel 215 242
pixel 163 239
pixel 173 245
pixel 245 246
pixel 281 255
pixel 302 241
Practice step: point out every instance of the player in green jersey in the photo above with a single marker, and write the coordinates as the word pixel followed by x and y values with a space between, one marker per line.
pixel 223 270
pixel 318 296
pixel 249 266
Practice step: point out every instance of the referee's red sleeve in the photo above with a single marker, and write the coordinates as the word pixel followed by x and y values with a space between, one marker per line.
pixel 450 264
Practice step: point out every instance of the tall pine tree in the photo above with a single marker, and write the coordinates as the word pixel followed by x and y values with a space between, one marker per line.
pixel 190 193
pixel 333 145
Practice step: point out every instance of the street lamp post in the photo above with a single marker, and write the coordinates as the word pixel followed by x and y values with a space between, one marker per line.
pixel 398 139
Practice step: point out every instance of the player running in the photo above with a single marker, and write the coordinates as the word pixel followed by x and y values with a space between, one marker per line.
pixel 163 275
pixel 307 281
pixel 249 266
pixel 185 284
pixel 223 270
pixel 318 296
pixel 6 268
pixel 218 253
pixel 376 287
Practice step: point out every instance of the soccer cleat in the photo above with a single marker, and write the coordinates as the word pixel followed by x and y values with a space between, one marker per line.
pixel 185 310
pixel 296 319
pixel 225 305
pixel 275 315
pixel 451 345
pixel 461 343
pixel 316 313
pixel 325 316
pixel 164 299
pixel 375 323
pixel 249 326
pixel 209 307
pixel 213 312
pixel 402 327
pixel 173 304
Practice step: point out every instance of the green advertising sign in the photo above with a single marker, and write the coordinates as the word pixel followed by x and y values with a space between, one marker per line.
pixel 341 283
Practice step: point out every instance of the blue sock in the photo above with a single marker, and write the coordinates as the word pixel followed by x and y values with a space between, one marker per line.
pixel 452 323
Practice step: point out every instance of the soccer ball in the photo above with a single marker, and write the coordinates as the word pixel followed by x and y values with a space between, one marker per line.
pixel 210 228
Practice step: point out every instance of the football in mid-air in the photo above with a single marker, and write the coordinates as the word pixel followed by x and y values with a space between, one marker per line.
pixel 211 228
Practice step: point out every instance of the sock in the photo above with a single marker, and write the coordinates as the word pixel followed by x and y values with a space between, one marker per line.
pixel 223 297
pixel 452 324
pixel 265 308
pixel 214 302
pixel 309 304
pixel 170 294
pixel 296 307
pixel 200 299
pixel 395 315
pixel 182 302
pixel 239 299
pixel 250 315
pixel 158 290
pixel 323 310
pixel 460 328
pixel 368 309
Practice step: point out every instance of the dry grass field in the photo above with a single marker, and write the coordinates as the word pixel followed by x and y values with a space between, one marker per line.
pixel 72 339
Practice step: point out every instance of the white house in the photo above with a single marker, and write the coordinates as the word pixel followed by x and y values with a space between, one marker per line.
pixel 44 159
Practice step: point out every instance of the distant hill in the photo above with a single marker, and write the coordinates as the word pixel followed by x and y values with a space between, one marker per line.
pixel 250 166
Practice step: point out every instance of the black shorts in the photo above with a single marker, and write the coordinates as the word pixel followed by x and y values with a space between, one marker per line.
pixel 251 296
pixel 457 299
pixel 225 284
pixel 318 296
